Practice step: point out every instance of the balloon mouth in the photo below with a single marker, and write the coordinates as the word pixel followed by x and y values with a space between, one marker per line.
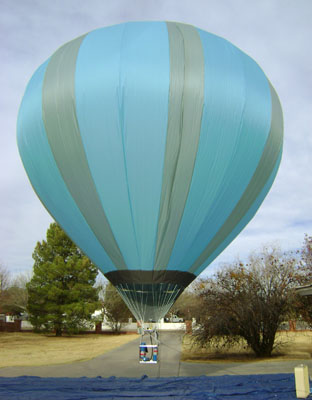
pixel 150 294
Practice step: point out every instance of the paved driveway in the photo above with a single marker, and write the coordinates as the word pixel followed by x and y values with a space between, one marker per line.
pixel 123 362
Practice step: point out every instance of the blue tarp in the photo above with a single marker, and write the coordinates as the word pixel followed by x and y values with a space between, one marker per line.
pixel 277 386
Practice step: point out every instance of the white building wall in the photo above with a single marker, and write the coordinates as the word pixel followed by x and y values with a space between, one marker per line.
pixel 26 326
pixel 161 326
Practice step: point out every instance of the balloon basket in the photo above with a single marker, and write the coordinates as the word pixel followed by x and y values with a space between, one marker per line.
pixel 148 353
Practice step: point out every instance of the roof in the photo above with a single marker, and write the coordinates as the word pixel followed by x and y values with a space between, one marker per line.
pixel 305 290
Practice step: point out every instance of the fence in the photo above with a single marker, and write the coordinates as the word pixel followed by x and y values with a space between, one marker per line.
pixel 15 326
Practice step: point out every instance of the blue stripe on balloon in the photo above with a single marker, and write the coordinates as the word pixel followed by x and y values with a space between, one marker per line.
pixel 45 176
pixel 122 89
pixel 235 126
pixel 244 221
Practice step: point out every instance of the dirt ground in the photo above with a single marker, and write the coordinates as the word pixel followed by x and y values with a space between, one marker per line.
pixel 291 346
pixel 30 349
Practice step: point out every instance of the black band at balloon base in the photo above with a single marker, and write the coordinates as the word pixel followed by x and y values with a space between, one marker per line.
pixel 182 278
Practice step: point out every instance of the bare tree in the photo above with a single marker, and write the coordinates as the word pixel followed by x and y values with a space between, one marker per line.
pixel 304 303
pixel 13 293
pixel 115 310
pixel 4 285
pixel 17 294
pixel 248 301
pixel 188 305
pixel 307 249
pixel 4 278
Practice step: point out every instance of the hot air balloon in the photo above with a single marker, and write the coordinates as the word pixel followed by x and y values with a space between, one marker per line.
pixel 152 144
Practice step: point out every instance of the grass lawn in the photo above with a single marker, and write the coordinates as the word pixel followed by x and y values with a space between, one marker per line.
pixel 30 349
pixel 292 346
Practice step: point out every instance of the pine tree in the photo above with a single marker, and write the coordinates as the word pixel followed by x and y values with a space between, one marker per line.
pixel 62 296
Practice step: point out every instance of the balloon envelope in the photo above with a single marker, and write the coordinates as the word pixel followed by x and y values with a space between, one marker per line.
pixel 152 144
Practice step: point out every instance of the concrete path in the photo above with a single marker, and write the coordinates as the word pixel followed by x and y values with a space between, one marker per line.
pixel 123 362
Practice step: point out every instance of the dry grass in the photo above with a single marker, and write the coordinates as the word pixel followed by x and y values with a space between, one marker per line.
pixel 30 349
pixel 291 346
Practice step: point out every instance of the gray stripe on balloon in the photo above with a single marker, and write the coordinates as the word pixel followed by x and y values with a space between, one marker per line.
pixel 60 120
pixel 269 158
pixel 186 99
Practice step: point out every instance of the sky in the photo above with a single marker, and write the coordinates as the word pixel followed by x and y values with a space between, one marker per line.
pixel 275 33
